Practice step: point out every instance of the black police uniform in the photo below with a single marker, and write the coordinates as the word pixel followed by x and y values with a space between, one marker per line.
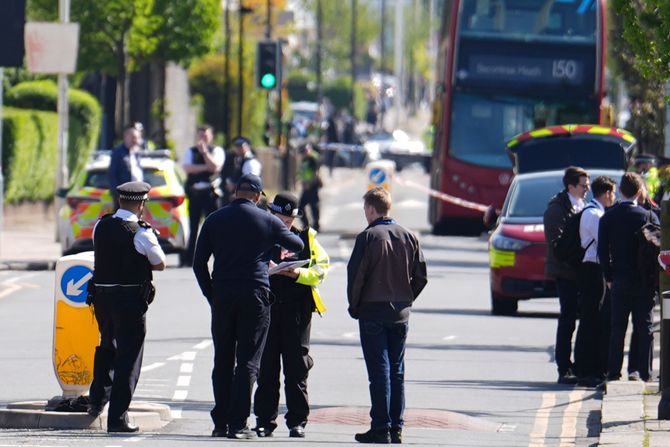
pixel 240 236
pixel 201 201
pixel 288 340
pixel 122 277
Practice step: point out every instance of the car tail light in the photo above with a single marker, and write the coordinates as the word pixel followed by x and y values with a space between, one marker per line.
pixel 174 201
pixel 74 202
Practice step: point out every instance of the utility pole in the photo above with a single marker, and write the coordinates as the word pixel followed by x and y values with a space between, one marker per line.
pixel 382 93
pixel 226 73
pixel 319 38
pixel 62 108
pixel 354 15
pixel 399 97
pixel 240 66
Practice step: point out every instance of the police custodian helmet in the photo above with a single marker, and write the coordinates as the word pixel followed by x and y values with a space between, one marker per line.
pixel 133 191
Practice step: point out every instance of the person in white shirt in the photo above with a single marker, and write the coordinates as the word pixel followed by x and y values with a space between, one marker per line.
pixel 202 164
pixel 591 344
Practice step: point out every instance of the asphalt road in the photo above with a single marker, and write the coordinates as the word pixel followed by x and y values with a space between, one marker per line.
pixel 472 379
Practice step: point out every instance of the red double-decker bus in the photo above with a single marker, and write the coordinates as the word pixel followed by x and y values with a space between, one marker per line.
pixel 505 67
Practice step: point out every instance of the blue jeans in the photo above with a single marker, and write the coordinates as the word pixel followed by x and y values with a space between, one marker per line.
pixel 384 353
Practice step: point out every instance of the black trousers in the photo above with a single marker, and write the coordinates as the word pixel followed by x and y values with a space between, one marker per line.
pixel 200 205
pixel 568 294
pixel 628 299
pixel 288 341
pixel 240 321
pixel 310 197
pixel 592 342
pixel 120 313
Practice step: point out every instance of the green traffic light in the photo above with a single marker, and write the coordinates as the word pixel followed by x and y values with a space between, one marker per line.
pixel 269 80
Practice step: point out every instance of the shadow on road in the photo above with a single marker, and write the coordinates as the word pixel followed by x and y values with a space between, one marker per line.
pixel 484 312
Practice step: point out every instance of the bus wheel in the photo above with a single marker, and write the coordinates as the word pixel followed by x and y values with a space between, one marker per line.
pixel 503 306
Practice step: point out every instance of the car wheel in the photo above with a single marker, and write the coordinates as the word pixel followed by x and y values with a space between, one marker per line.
pixel 503 306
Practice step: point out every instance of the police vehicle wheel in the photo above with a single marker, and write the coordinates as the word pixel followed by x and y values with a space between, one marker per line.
pixel 503 306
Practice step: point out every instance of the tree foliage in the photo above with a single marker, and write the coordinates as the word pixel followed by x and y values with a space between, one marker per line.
pixel 646 28
pixel 644 82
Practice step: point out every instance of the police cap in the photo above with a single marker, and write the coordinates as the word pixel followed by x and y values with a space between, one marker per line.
pixel 250 182
pixel 240 140
pixel 133 191
pixel 285 203
pixel 645 158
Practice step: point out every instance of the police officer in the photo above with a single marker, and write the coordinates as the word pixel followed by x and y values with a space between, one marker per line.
pixel 290 326
pixel 201 162
pixel 126 252
pixel 124 165
pixel 240 236
pixel 242 163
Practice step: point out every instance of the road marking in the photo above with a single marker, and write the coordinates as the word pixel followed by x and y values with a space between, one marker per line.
pixel 188 356
pixel 136 439
pixel 507 427
pixel 184 381
pixel 152 366
pixel 569 424
pixel 180 395
pixel 449 337
pixel 539 432
pixel 175 412
pixel 186 368
pixel 12 286
pixel 203 345
pixel 350 334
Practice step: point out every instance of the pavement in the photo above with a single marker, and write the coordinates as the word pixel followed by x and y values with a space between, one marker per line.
pixel 629 409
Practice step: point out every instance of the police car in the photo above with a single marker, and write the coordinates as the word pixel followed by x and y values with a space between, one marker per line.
pixel 517 247
pixel 89 199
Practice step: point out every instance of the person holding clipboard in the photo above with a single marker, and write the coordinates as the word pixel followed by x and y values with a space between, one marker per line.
pixel 293 283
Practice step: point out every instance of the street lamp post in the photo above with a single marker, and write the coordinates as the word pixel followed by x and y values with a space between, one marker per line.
pixel 354 14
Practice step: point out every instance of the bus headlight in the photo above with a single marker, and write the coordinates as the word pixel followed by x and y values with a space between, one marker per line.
pixel 500 242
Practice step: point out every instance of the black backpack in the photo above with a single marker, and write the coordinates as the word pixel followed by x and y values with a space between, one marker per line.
pixel 648 248
pixel 567 246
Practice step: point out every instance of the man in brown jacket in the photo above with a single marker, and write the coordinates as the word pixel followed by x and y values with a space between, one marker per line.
pixel 385 274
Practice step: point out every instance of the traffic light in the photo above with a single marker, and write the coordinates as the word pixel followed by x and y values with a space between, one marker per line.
pixel 268 64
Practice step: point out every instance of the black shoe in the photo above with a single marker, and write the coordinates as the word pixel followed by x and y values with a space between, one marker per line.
pixel 220 432
pixel 296 432
pixel 263 432
pixel 567 378
pixel 241 433
pixel 396 435
pixel 374 436
pixel 95 410
pixel 122 427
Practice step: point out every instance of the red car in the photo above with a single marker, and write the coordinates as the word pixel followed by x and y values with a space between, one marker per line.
pixel 517 248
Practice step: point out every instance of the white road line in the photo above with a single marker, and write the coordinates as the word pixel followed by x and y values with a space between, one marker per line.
pixel 449 337
pixel 539 432
pixel 186 368
pixel 180 395
pixel 184 381
pixel 136 439
pixel 175 412
pixel 12 286
pixel 507 427
pixel 350 334
pixel 203 345
pixel 569 424
pixel 187 356
pixel 152 366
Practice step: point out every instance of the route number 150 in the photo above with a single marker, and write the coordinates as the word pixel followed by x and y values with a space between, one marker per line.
pixel 564 69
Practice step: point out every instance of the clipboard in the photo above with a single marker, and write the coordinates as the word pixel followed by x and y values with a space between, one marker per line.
pixel 287 265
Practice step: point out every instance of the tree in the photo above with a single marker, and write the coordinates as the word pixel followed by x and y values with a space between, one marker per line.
pixel 634 62
pixel 646 28
pixel 118 37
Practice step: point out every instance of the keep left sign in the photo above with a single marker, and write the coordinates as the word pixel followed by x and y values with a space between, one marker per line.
pixel 74 281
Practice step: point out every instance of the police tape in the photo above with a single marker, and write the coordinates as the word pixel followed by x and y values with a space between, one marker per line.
pixel 442 196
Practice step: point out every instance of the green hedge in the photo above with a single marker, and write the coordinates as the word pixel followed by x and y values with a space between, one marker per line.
pixel 29 156
pixel 85 116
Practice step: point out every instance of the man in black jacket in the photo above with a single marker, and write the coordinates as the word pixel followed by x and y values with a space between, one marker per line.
pixel 617 251
pixel 241 237
pixel 563 205
pixel 385 274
